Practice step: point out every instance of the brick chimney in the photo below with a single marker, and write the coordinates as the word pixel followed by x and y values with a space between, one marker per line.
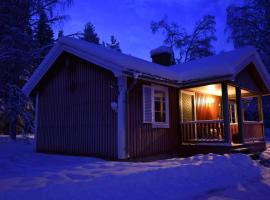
pixel 163 55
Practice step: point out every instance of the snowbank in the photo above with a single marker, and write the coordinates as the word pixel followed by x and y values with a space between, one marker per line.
pixel 29 175
pixel 265 156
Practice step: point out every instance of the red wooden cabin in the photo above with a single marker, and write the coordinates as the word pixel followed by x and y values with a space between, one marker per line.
pixel 91 100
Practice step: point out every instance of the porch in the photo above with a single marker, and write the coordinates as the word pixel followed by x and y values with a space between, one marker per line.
pixel 221 116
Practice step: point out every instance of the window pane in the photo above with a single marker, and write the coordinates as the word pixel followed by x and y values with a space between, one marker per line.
pixel 160 117
pixel 232 110
pixel 157 106
pixel 233 114
pixel 160 106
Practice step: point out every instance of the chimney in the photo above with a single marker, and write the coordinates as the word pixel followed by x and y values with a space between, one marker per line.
pixel 163 55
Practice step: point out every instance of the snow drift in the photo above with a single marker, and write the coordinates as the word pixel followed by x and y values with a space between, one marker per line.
pixel 29 175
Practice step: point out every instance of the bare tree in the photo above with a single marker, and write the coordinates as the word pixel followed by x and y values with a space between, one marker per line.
pixel 188 46
pixel 199 43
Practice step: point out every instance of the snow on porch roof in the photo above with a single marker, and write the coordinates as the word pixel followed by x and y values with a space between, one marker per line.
pixel 225 64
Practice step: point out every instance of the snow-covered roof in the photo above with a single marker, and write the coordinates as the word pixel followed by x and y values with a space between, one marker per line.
pixel 161 49
pixel 227 64
pixel 110 59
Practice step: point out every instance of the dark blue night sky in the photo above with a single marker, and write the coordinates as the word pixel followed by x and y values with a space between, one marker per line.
pixel 129 20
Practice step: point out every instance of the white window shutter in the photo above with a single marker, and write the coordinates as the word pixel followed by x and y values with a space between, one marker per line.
pixel 147 104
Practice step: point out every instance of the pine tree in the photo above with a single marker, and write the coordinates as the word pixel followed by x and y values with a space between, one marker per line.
pixel 18 55
pixel 16 46
pixel 60 34
pixel 114 44
pixel 15 40
pixel 89 34
pixel 44 32
pixel 249 24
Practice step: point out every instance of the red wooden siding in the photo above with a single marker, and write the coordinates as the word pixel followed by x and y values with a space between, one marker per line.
pixel 75 115
pixel 208 107
pixel 144 140
pixel 253 131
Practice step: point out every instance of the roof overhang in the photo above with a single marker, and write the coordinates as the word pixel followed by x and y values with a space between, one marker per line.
pixel 253 59
pixel 129 67
pixel 102 57
pixel 258 65
pixel 52 56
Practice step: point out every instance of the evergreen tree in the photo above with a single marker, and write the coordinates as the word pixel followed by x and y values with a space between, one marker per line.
pixel 44 32
pixel 189 46
pixel 114 44
pixel 60 34
pixel 18 55
pixel 16 48
pixel 249 24
pixel 89 34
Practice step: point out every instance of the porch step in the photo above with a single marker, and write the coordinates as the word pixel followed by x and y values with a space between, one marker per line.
pixel 241 150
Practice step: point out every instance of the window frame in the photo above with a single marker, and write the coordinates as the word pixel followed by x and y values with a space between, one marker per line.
pixel 234 106
pixel 155 124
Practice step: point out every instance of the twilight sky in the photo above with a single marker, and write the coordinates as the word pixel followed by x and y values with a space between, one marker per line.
pixel 129 20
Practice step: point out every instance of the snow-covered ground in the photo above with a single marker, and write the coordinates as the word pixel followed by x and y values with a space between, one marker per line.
pixel 265 156
pixel 29 175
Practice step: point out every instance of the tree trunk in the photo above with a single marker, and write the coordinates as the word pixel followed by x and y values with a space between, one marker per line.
pixel 12 130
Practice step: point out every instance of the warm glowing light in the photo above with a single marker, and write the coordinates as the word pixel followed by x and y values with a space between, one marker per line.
pixel 211 89
pixel 210 100
pixel 207 100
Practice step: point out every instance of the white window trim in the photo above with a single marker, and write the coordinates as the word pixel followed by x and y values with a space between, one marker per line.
pixel 165 124
pixel 144 121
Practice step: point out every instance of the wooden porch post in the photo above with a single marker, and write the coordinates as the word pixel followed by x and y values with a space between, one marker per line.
pixel 260 109
pixel 239 114
pixel 260 112
pixel 36 119
pixel 225 109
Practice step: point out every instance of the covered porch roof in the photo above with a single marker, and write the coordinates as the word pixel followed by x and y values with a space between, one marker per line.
pixel 225 66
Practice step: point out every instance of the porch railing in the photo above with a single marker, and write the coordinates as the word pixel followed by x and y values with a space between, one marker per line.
pixel 252 131
pixel 213 131
pixel 203 131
